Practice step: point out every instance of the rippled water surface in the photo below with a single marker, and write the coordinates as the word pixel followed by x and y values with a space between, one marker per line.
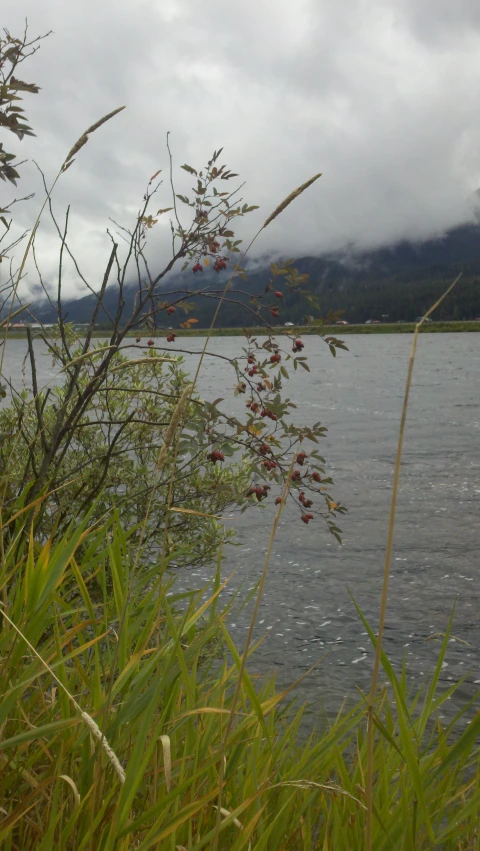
pixel 307 612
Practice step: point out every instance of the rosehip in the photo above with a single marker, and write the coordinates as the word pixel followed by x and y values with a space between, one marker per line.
pixel 250 359
pixel 171 338
pixel 301 458
pixel 274 311
pixel 138 339
pixel 260 386
pixel 255 407
pixel 197 268
pixel 264 448
pixel 171 310
pixel 299 343
pixel 216 455
pixel 278 500
pixel 296 475
pixel 307 517
pixel 269 465
pixel 150 343
pixel 307 503
pixel 278 294
pixel 316 476
pixel 276 358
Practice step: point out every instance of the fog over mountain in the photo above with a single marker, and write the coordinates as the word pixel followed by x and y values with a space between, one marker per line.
pixel 380 96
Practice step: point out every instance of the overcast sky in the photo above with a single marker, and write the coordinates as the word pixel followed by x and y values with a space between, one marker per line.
pixel 381 97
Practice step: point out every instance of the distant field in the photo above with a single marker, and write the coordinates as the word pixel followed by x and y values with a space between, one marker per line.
pixel 341 330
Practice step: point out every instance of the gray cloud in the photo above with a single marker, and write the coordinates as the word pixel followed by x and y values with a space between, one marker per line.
pixel 379 95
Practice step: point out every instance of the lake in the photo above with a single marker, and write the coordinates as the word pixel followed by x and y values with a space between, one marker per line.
pixel 307 612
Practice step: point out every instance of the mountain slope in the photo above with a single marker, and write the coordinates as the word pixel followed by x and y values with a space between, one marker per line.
pixel 401 281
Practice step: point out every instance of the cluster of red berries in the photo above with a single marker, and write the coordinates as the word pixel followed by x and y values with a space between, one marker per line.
pixel 197 268
pixel 265 412
pixel 301 458
pixel 315 476
pixel 298 345
pixel 296 475
pixel 254 370
pixel 274 312
pixel 307 517
pixel 171 338
pixel 276 358
pixel 260 491
pixel 215 456
pixel 264 449
pixel 220 265
pixel 214 246
pixel 261 386
pixel 269 465
pixel 307 503
pixel 254 406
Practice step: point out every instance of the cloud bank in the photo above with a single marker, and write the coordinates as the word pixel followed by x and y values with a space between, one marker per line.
pixel 381 97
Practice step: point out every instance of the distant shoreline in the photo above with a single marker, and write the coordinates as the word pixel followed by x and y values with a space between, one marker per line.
pixel 330 330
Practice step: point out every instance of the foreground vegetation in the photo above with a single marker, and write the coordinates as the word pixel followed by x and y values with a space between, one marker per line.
pixel 121 741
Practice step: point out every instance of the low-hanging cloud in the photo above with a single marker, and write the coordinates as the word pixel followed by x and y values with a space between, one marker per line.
pixel 380 96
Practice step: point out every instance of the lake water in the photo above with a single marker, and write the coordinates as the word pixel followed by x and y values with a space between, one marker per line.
pixel 307 612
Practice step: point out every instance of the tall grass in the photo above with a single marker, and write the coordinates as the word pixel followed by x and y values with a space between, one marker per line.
pixel 177 724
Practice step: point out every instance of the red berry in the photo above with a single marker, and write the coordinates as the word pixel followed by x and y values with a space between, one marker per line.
pixel 150 343
pixel 216 455
pixel 316 476
pixel 296 475
pixel 250 359
pixel 299 343
pixel 255 407
pixel 274 311
pixel 307 517
pixel 171 338
pixel 301 458
pixel 264 448
pixel 260 386
pixel 301 496
pixel 278 294
pixel 171 310
pixel 276 358
pixel 278 500
pixel 138 339
pixel 197 268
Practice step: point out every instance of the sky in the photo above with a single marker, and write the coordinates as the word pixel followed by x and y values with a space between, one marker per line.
pixel 380 97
